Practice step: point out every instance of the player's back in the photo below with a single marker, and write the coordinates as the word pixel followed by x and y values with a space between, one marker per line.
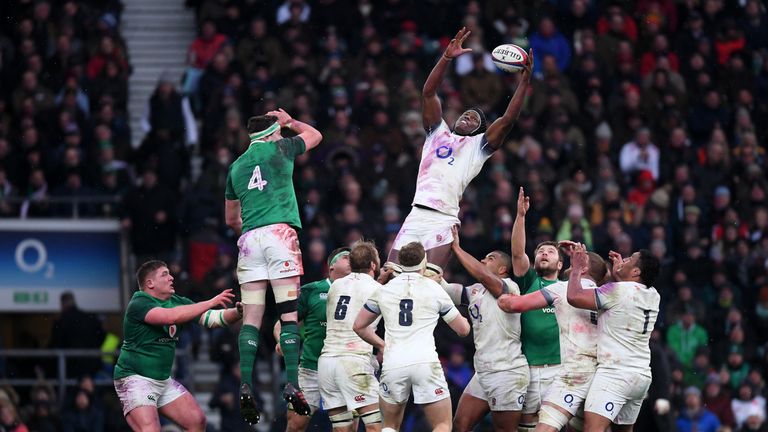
pixel 448 163
pixel 345 299
pixel 628 312
pixel 578 329
pixel 262 179
pixel 410 306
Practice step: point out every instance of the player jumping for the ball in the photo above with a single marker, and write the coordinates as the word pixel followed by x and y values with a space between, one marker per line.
pixel 450 159
pixel 261 203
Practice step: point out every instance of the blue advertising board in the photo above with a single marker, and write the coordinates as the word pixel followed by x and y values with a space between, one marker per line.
pixel 41 259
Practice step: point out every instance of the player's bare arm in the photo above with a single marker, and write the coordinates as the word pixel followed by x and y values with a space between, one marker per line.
pixel 510 303
pixel 499 129
pixel 363 328
pixel 186 313
pixel 578 296
pixel 520 261
pixel 310 135
pixel 432 111
pixel 475 268
pixel 232 215
pixel 460 325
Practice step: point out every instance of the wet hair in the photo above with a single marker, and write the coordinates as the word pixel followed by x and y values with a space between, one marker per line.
pixel 259 123
pixel 411 254
pixel 649 267
pixel 147 269
pixel 361 256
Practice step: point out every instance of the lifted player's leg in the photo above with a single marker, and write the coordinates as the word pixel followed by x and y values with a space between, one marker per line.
pixel 253 296
pixel 286 292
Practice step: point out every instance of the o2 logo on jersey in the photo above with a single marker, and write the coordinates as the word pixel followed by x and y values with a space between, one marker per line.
pixel 474 312
pixel 568 399
pixel 445 152
pixel 609 407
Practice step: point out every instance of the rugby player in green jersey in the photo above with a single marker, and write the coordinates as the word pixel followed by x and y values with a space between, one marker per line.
pixel 151 326
pixel 312 301
pixel 540 333
pixel 261 204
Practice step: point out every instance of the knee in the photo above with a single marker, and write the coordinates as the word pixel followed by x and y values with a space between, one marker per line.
pixel 196 421
pixel 460 425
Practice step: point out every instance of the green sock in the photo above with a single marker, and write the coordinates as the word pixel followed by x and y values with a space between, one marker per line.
pixel 248 342
pixel 289 343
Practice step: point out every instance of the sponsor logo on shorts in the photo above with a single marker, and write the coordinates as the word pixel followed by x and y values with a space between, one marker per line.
pixel 439 237
pixel 493 401
pixel 288 267
pixel 384 387
pixel 609 407
pixel 568 399
pixel 521 399
pixel 152 398
pixel 323 296
pixel 359 398
pixel 439 391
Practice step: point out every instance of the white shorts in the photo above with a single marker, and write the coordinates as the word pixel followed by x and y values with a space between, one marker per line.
pixel 503 390
pixel 425 379
pixel 569 392
pixel 541 379
pixel 428 227
pixel 347 381
pixel 268 253
pixel 136 390
pixel 617 395
pixel 309 385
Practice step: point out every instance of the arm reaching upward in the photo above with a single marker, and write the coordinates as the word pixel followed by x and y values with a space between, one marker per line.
pixel 499 129
pixel 578 296
pixel 431 110
pixel 310 135
pixel 476 269
pixel 520 261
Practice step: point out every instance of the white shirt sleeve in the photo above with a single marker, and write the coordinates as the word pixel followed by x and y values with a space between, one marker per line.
pixel 446 307
pixel 372 304
pixel 607 295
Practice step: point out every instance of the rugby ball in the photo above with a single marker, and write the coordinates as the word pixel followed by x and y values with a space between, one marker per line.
pixel 509 58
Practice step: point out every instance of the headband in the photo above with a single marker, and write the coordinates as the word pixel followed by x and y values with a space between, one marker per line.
pixel 337 257
pixel 256 136
pixel 420 266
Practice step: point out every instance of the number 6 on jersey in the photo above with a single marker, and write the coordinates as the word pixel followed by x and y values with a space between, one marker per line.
pixel 256 181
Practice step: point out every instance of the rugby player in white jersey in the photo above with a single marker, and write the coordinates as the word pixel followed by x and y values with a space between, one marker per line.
pixel 410 305
pixel 578 346
pixel 345 368
pixel 450 159
pixel 627 311
pixel 501 370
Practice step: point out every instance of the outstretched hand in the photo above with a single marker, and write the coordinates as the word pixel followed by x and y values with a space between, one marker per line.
pixel 455 234
pixel 616 261
pixel 283 118
pixel 528 68
pixel 579 260
pixel 567 246
pixel 454 48
pixel 523 203
pixel 223 299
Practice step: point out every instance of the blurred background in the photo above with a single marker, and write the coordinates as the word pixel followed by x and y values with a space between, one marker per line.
pixel 119 119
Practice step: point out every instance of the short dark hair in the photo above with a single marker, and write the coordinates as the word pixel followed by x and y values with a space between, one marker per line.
pixel 555 244
pixel 597 267
pixel 259 123
pixel 649 267
pixel 336 252
pixel 147 269
pixel 411 254
pixel 506 260
pixel 361 256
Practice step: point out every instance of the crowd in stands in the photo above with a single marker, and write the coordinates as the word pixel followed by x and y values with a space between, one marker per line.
pixel 641 130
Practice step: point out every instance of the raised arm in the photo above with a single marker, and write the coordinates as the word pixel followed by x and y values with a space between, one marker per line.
pixel 362 327
pixel 520 261
pixel 431 110
pixel 499 129
pixel 517 304
pixel 578 296
pixel 232 215
pixel 475 268
pixel 186 313
pixel 309 134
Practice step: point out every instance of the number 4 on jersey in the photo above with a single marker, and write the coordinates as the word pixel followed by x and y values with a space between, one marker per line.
pixel 256 181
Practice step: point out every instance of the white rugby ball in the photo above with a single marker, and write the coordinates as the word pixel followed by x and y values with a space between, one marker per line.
pixel 509 58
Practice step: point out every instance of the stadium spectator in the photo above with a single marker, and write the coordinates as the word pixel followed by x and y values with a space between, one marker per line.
pixel 83 415
pixel 75 329
pixel 696 418
pixel 685 336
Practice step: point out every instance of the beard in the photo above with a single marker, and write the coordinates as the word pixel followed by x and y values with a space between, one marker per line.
pixel 546 271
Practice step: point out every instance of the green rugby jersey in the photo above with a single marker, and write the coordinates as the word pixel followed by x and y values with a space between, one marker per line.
pixel 262 179
pixel 312 301
pixel 148 350
pixel 540 334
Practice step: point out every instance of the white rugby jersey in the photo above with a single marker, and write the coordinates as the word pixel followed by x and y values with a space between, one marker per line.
pixel 496 333
pixel 410 305
pixel 628 312
pixel 578 329
pixel 448 163
pixel 345 299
